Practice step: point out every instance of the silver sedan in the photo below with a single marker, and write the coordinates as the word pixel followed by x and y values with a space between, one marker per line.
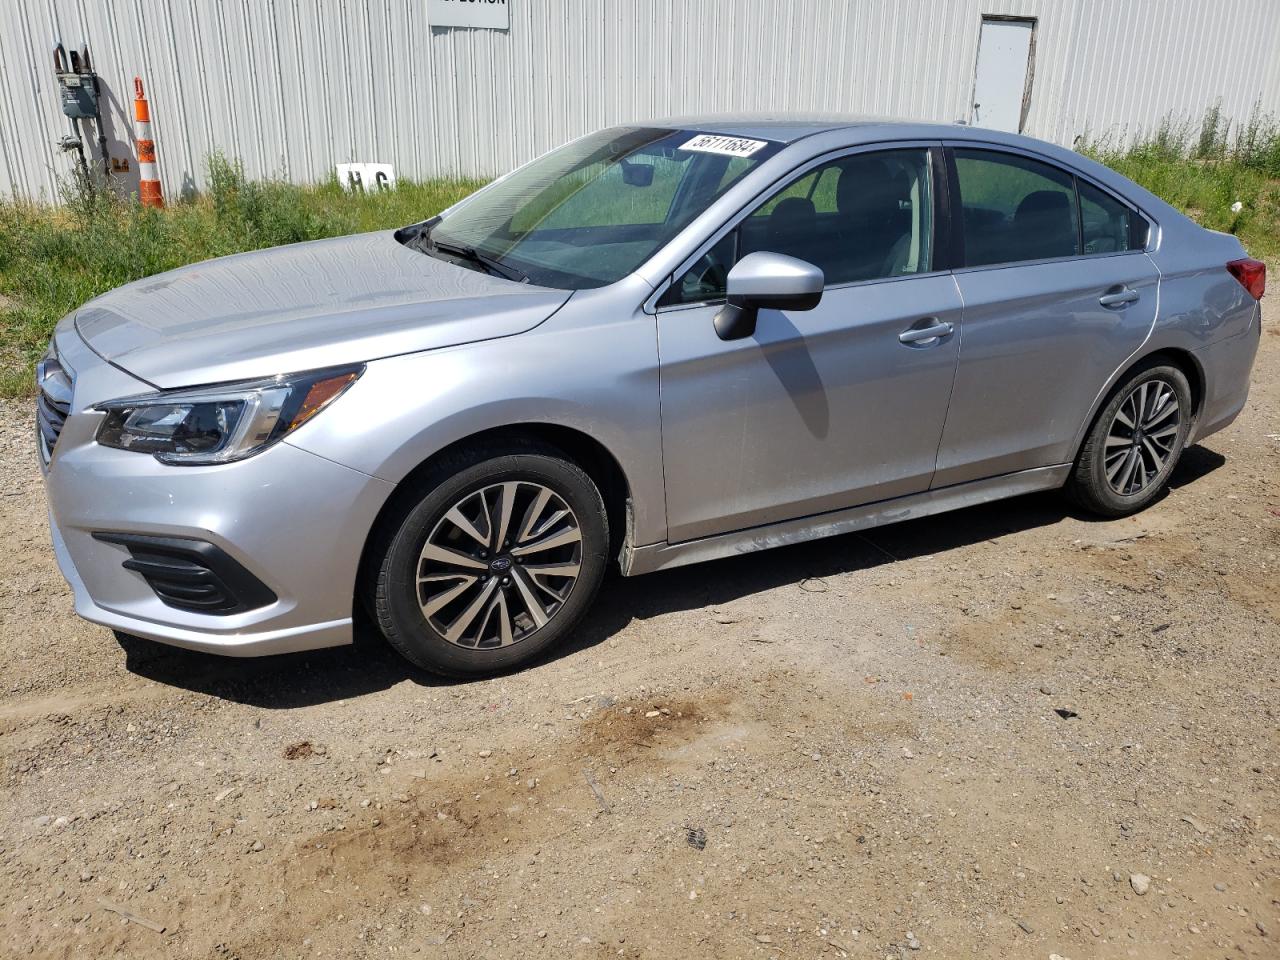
pixel 656 345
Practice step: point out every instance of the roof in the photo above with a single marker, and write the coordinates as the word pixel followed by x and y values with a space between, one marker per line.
pixel 789 127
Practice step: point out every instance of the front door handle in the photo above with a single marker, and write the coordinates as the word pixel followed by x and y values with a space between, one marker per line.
pixel 1118 297
pixel 920 335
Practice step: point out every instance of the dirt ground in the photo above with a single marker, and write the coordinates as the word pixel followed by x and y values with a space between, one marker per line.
pixel 1010 731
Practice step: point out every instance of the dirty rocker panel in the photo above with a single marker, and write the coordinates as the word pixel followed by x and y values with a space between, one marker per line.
pixel 664 555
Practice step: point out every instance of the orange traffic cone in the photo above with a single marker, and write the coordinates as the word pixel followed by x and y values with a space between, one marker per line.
pixel 149 192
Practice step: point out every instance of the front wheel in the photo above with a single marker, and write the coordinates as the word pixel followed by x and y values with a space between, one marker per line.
pixel 499 559
pixel 1135 443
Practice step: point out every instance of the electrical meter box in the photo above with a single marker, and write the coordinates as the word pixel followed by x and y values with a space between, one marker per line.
pixel 79 98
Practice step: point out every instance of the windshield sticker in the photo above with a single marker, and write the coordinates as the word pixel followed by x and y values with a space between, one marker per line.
pixel 729 146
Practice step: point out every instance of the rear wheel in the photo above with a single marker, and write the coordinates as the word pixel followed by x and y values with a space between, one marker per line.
pixel 1135 443
pixel 497 560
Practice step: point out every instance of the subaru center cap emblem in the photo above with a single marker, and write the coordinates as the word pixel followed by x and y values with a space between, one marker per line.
pixel 500 563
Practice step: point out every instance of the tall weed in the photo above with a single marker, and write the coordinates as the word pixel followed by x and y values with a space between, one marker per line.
pixel 1227 179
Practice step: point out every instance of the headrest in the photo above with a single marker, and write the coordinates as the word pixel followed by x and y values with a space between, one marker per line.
pixel 793 212
pixel 1042 202
pixel 867 188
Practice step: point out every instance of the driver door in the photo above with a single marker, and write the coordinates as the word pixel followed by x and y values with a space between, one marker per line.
pixel 822 409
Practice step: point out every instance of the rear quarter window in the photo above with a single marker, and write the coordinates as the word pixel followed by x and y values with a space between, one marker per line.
pixel 1108 225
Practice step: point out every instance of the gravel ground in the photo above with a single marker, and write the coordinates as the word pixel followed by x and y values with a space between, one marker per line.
pixel 1010 731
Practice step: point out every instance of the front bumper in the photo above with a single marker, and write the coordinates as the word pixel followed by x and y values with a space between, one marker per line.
pixel 295 521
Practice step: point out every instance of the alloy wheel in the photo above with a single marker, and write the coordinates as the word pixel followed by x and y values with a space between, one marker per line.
pixel 499 565
pixel 1142 438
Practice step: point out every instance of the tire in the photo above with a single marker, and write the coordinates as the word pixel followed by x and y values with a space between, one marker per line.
pixel 434 564
pixel 1121 470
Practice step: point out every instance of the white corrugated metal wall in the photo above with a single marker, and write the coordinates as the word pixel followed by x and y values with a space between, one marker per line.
pixel 294 86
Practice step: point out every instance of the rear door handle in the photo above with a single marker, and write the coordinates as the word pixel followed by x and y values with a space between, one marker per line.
pixel 1118 297
pixel 935 331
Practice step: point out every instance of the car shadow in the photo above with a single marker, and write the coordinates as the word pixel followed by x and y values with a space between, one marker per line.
pixel 370 665
pixel 1196 462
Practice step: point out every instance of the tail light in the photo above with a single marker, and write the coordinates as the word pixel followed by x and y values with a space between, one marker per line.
pixel 1252 275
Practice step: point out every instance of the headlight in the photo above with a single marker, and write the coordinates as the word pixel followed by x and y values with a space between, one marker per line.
pixel 220 423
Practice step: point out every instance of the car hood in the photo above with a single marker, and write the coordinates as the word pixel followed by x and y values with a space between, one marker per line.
pixel 302 307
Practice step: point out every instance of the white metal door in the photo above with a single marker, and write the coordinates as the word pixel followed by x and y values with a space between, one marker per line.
pixel 1004 53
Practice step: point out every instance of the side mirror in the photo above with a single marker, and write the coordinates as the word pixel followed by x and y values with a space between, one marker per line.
pixel 766 280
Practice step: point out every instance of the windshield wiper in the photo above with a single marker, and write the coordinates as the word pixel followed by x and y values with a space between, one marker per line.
pixel 472 255
pixel 418 237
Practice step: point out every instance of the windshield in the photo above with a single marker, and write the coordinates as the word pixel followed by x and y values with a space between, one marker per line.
pixel 593 211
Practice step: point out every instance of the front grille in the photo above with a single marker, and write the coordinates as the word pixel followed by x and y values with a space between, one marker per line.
pixel 192 574
pixel 53 402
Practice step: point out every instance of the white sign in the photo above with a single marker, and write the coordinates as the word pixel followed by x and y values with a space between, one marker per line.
pixel 366 176
pixel 729 146
pixel 487 14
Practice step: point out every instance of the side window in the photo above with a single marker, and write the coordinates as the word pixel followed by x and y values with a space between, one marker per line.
pixel 1108 226
pixel 1015 208
pixel 863 217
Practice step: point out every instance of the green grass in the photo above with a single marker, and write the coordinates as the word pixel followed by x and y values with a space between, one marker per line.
pixel 1205 169
pixel 1207 190
pixel 55 257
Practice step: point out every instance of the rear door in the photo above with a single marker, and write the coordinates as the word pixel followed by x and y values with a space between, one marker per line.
pixel 1057 294
pixel 825 408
